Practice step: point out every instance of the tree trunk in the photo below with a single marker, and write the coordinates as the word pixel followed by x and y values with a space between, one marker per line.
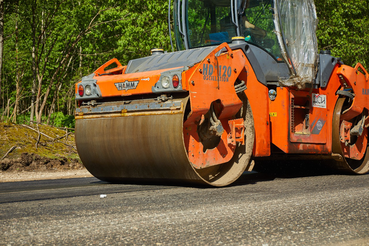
pixel 80 61
pixel 52 107
pixel 69 97
pixel 17 79
pixel 1 40
pixel 8 109
pixel 34 74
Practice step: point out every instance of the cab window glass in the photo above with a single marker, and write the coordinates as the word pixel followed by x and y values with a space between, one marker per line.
pixel 257 26
pixel 209 22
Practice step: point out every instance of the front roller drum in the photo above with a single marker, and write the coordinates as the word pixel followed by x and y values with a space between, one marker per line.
pixel 148 146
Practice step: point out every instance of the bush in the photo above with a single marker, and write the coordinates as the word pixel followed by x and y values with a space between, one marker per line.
pixel 61 120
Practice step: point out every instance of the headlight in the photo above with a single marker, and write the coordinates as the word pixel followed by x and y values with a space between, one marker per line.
pixel 165 82
pixel 88 91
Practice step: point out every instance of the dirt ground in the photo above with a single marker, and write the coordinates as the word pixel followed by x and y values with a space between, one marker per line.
pixel 34 167
pixel 35 162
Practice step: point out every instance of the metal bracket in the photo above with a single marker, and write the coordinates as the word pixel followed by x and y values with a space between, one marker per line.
pixel 358 129
pixel 367 122
pixel 345 133
pixel 345 93
pixel 241 87
pixel 164 98
pixel 237 133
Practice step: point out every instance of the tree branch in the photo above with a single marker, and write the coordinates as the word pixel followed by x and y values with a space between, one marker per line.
pixel 9 151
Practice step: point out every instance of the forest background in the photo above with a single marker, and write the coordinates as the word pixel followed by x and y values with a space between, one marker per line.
pixel 46 46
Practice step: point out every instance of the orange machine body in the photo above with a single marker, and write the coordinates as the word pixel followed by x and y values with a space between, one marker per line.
pixel 302 120
pixel 297 121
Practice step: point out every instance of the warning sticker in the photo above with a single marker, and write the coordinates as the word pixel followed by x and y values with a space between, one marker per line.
pixel 319 101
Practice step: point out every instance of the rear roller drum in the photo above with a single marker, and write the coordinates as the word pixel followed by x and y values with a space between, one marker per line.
pixel 227 173
pixel 350 141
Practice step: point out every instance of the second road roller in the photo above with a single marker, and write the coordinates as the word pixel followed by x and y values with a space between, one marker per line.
pixel 247 81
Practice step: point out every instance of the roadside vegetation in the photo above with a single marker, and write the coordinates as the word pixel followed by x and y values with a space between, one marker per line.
pixel 47 46
pixel 37 147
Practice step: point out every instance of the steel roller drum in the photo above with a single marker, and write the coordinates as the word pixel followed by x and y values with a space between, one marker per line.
pixel 348 165
pixel 145 146
pixel 134 147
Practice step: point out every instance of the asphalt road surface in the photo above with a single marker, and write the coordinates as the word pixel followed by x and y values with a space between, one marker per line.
pixel 260 209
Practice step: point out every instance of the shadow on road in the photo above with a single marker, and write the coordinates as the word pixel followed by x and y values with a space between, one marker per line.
pixel 267 170
pixel 264 170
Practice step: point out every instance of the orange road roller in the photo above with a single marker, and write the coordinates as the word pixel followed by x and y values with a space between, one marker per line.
pixel 247 81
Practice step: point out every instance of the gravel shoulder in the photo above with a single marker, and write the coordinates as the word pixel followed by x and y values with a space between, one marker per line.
pixel 43 175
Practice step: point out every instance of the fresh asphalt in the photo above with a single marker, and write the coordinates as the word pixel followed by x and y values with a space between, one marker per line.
pixel 285 206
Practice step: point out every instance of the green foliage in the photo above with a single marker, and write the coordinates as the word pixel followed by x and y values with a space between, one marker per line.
pixel 72 39
pixel 61 120
pixel 143 26
pixel 344 29
pixel 23 119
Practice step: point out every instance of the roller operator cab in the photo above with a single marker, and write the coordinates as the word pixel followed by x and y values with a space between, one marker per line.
pixel 199 23
pixel 246 82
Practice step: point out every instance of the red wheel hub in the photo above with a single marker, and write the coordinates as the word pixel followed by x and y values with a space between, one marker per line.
pixel 353 148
